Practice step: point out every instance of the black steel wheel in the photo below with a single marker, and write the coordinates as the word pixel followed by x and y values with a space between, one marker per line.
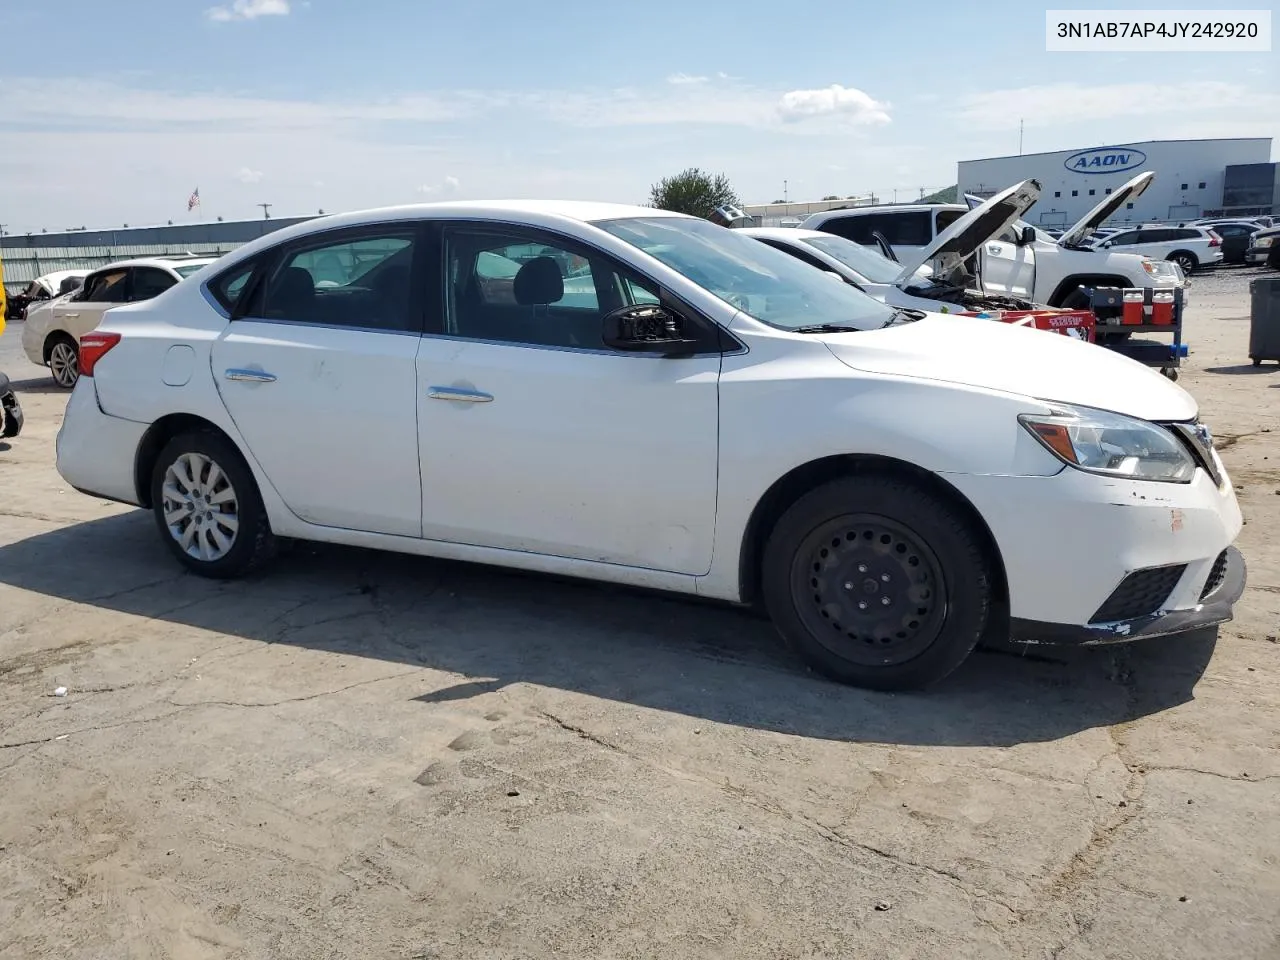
pixel 878 582
pixel 876 594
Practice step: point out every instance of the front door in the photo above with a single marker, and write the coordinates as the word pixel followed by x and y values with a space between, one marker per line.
pixel 318 372
pixel 535 436
pixel 1008 268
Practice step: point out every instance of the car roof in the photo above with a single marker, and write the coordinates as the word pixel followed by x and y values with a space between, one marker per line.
pixel 784 233
pixel 156 262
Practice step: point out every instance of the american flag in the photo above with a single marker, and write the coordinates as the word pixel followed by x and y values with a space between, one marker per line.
pixel 193 201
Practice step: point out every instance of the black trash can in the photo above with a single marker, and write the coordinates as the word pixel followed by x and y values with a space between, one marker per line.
pixel 1264 319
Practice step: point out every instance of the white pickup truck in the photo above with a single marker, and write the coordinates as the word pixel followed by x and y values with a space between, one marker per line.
pixel 1022 261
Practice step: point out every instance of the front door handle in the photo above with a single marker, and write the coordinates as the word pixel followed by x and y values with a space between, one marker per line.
pixel 71 316
pixel 251 376
pixel 459 393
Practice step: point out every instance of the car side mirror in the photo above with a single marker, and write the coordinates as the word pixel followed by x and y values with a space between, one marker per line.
pixel 1104 244
pixel 1027 237
pixel 645 328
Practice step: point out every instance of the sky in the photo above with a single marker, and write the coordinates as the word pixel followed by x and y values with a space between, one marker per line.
pixel 113 113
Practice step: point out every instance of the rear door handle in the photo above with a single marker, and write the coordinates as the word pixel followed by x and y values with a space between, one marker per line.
pixel 459 393
pixel 251 376
pixel 71 316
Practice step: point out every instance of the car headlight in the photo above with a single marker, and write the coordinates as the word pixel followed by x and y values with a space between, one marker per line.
pixel 1150 266
pixel 1263 242
pixel 1112 444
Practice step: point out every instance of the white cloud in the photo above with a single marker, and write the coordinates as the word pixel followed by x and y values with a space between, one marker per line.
pixel 447 185
pixel 847 102
pixel 1059 104
pixel 683 79
pixel 245 175
pixel 248 10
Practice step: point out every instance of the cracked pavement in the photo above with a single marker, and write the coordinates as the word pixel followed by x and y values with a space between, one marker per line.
pixel 362 755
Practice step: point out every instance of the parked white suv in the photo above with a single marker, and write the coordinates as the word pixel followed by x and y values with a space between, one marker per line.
pixel 934 278
pixel 1023 260
pixel 53 329
pixel 1188 247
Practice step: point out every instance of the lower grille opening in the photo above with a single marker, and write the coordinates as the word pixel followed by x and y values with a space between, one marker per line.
pixel 1140 593
pixel 1216 575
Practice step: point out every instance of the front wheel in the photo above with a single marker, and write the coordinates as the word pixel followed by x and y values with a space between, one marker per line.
pixel 877 582
pixel 207 507
pixel 64 361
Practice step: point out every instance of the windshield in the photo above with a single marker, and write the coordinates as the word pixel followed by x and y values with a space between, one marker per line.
pixel 759 280
pixel 863 260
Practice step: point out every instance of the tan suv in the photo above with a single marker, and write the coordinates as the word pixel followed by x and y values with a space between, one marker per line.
pixel 52 332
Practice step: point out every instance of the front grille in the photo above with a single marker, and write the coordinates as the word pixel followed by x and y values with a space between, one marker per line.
pixel 1140 593
pixel 1216 575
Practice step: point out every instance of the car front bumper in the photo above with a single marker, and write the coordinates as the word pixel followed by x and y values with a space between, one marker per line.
pixel 1256 255
pixel 96 452
pixel 1072 544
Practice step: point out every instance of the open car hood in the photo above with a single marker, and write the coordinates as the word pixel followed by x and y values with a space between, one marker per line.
pixel 1109 205
pixel 961 240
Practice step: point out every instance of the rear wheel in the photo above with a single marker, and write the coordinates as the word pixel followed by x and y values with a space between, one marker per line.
pixel 64 360
pixel 877 582
pixel 207 507
pixel 1187 261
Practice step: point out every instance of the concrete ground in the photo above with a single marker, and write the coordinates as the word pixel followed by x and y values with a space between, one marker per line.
pixel 368 756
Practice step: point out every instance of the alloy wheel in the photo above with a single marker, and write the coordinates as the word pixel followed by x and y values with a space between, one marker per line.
pixel 201 509
pixel 64 364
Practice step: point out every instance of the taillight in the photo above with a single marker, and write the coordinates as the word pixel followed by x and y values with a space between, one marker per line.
pixel 94 345
pixel 1214 239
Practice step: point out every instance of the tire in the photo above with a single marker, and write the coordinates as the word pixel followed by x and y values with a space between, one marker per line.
pixel 844 559
pixel 1075 300
pixel 63 355
pixel 1187 261
pixel 234 535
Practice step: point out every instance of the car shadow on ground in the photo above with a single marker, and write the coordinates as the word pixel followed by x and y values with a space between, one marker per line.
pixel 1246 369
pixel 496 628
pixel 37 385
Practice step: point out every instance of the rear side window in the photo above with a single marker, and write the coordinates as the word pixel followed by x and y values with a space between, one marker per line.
pixel 910 228
pixel 1192 235
pixel 361 281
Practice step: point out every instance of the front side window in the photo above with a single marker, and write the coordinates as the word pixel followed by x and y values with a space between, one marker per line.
pixel 149 282
pixel 502 285
pixel 762 282
pixel 362 281
pixel 106 287
pixel 1122 239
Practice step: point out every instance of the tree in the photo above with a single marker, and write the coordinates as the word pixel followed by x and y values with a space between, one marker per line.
pixel 693 191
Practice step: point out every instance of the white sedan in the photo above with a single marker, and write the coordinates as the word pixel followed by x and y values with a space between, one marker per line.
pixel 636 396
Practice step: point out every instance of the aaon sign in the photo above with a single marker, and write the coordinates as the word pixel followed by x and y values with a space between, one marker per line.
pixel 1105 160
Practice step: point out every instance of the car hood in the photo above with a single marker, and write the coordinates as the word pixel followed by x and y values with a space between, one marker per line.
pixel 1109 205
pixel 959 241
pixel 1019 360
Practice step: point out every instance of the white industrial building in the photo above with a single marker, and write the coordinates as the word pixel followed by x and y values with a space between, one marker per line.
pixel 1194 178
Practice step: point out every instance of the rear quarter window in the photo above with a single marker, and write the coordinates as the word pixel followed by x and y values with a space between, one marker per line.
pixel 231 285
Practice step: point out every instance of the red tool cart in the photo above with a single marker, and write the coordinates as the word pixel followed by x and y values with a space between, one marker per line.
pixel 1123 312
pixel 1080 324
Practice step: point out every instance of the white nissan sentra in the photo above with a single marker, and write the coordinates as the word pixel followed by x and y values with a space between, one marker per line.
pixel 630 395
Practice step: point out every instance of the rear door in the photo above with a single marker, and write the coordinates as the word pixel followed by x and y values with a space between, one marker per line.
pixel 1008 269
pixel 318 371
pixel 80 313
